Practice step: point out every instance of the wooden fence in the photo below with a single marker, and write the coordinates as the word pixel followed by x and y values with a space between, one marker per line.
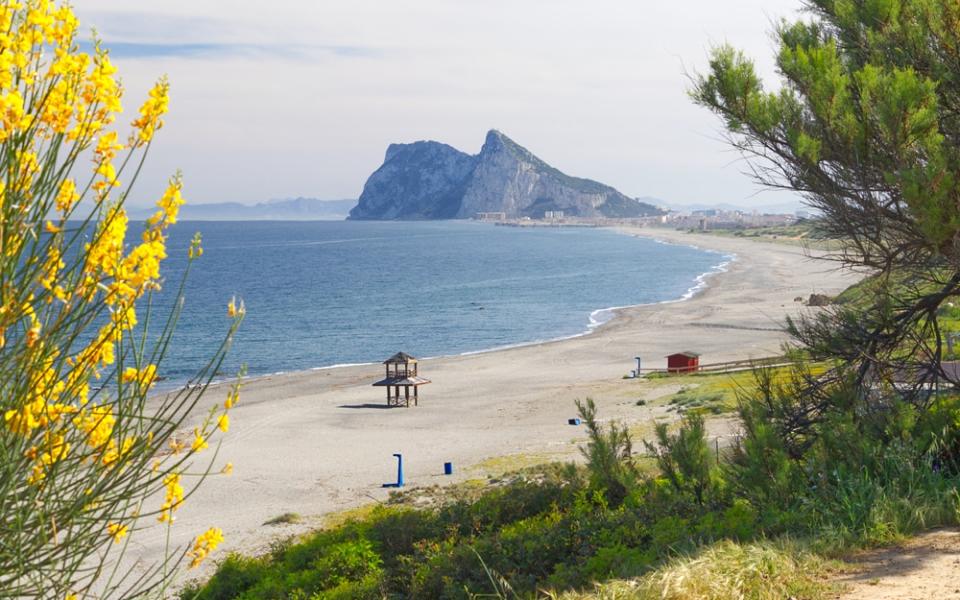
pixel 731 366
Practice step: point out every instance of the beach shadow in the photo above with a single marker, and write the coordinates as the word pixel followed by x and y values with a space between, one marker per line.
pixel 381 406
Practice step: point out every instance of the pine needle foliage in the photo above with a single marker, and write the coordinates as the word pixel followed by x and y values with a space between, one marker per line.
pixel 609 454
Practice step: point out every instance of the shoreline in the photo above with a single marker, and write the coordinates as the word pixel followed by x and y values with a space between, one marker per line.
pixel 319 441
pixel 701 283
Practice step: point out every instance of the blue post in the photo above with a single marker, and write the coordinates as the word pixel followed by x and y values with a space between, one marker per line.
pixel 448 468
pixel 399 470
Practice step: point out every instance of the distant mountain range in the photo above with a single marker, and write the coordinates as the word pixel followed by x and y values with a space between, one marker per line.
pixel 430 180
pixel 290 209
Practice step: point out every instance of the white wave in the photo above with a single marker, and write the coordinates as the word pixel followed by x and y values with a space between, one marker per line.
pixel 343 365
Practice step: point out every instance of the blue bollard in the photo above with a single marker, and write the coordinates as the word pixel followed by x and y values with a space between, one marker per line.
pixel 399 483
pixel 448 468
pixel 399 470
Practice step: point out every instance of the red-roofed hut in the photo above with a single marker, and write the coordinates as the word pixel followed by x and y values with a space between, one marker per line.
pixel 401 373
pixel 683 362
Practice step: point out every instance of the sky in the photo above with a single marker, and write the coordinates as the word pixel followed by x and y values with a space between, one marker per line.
pixel 302 97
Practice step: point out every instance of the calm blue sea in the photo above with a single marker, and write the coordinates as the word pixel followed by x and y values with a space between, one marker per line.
pixel 329 293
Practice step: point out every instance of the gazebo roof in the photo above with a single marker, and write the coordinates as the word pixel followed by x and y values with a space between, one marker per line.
pixel 410 380
pixel 400 357
pixel 687 354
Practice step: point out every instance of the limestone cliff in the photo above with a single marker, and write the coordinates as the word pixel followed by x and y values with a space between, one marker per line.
pixel 429 180
pixel 422 180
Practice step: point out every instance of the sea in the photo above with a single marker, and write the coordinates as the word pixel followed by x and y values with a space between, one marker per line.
pixel 323 294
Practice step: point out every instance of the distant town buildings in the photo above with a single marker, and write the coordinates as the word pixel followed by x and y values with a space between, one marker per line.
pixel 491 216
pixel 705 220
pixel 699 220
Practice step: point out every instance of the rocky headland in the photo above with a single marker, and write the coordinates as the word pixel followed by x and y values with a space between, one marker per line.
pixel 430 180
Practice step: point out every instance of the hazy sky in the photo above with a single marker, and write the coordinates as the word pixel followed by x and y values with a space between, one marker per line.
pixel 302 97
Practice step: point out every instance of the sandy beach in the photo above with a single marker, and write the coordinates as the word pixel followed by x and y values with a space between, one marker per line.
pixel 321 441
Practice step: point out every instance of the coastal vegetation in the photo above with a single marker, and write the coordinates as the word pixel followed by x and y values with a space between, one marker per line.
pixel 86 461
pixel 804 231
pixel 764 518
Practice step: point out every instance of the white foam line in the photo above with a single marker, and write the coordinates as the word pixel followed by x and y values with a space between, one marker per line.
pixel 596 319
pixel 342 365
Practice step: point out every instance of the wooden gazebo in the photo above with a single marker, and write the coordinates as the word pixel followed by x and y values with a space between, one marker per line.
pixel 401 373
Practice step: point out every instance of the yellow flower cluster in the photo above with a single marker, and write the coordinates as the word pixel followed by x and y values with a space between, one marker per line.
pixel 51 269
pixel 41 410
pixel 11 114
pixel 26 168
pixel 195 250
pixel 205 543
pixel 98 99
pixel 151 112
pixel 199 440
pixel 169 205
pixel 97 423
pixel 54 449
pixel 75 94
pixel 233 396
pixel 144 377
pixel 117 531
pixel 107 147
pixel 174 496
pixel 67 197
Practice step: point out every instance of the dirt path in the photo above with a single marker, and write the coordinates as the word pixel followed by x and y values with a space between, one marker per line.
pixel 927 567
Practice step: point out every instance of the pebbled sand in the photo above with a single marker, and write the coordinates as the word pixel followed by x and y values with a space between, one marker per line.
pixel 317 442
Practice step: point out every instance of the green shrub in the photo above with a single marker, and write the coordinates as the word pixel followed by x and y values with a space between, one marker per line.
pixel 899 495
pixel 692 399
pixel 396 531
pixel 671 533
pixel 347 561
pixel 739 522
pixel 617 561
pixel 235 575
pixel 367 588
pixel 684 458
pixel 609 455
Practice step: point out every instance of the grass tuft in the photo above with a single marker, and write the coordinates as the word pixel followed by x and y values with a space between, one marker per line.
pixel 763 570
pixel 285 519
